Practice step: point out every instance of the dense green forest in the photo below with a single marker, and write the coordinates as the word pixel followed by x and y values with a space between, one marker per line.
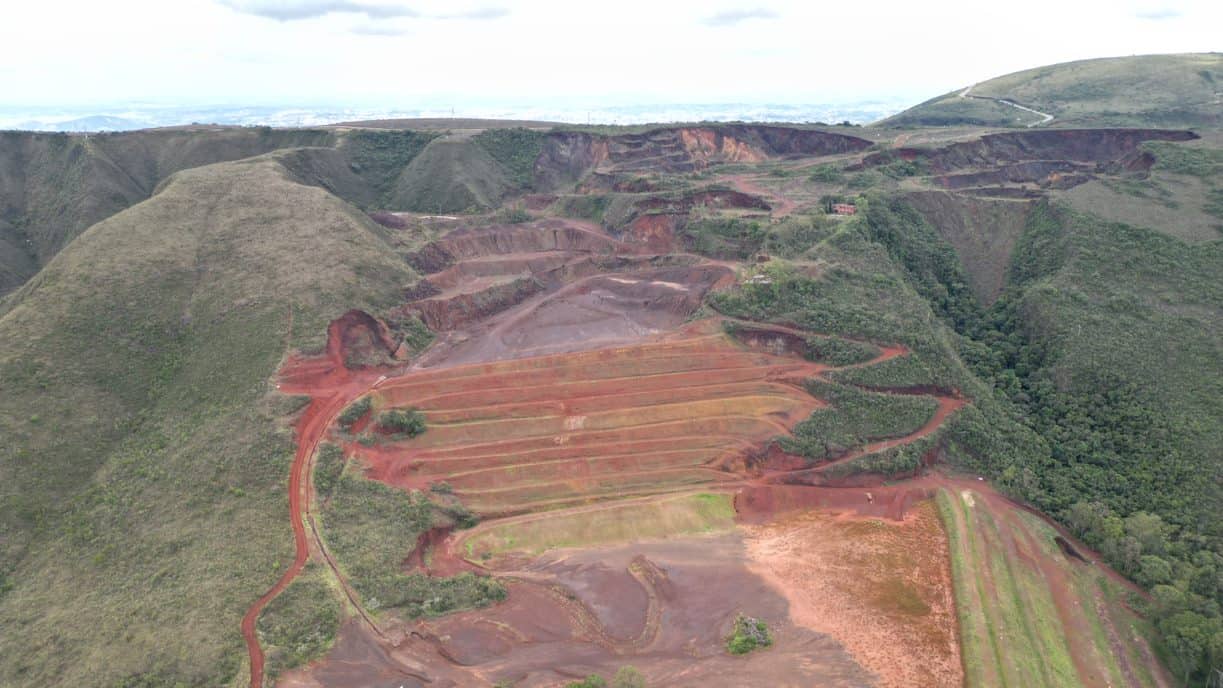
pixel 1124 464
pixel 1108 433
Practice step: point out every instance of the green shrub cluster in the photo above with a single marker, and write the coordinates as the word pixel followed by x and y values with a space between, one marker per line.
pixel 586 206
pixel 837 352
pixel 299 624
pixel 749 634
pixel 403 422
pixel 794 235
pixel 411 331
pixel 854 418
pixel 826 174
pixel 1181 159
pixel 514 215
pixel 379 156
pixel 626 677
pixel 1070 405
pixel 354 412
pixel 1098 423
pixel 866 179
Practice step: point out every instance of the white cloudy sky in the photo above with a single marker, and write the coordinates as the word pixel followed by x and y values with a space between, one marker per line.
pixel 392 52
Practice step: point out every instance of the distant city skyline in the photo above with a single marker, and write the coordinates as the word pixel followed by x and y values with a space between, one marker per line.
pixel 547 56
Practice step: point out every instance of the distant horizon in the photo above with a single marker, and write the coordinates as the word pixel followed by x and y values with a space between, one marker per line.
pixel 126 116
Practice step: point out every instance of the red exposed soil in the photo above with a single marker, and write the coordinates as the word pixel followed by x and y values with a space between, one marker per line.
pixel 656 231
pixel 505 431
pixel 591 390
pixel 1044 173
pixel 524 434
pixel 880 587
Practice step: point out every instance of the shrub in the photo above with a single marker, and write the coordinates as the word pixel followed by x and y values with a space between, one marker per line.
pixel 591 681
pixel 406 422
pixel 749 634
pixel 725 237
pixel 827 174
pixel 355 412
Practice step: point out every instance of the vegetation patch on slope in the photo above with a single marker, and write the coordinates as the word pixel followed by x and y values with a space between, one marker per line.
pixel 854 418
pixel 685 515
pixel 372 528
pixel 300 624
pixel 515 150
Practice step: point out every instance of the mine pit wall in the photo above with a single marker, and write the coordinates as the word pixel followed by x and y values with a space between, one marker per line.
pixel 776 342
pixel 442 315
pixel 358 339
pixel 459 273
pixel 501 240
pixel 567 157
pixel 1042 172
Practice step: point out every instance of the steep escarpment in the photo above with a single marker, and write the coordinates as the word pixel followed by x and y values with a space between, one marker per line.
pixel 983 232
pixel 566 157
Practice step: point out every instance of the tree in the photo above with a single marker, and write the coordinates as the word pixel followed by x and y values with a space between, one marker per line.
pixel 1152 570
pixel 1189 637
pixel 1149 530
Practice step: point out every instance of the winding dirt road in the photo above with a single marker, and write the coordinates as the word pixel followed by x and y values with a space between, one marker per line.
pixel 1045 117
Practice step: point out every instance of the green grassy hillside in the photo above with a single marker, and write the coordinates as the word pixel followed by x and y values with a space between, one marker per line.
pixel 1148 90
pixel 54 186
pixel 451 175
pixel 143 472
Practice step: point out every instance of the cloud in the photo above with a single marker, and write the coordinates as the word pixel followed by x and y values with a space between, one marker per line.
pixel 479 14
pixel 733 17
pixel 290 10
pixel 1158 14
pixel 380 30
